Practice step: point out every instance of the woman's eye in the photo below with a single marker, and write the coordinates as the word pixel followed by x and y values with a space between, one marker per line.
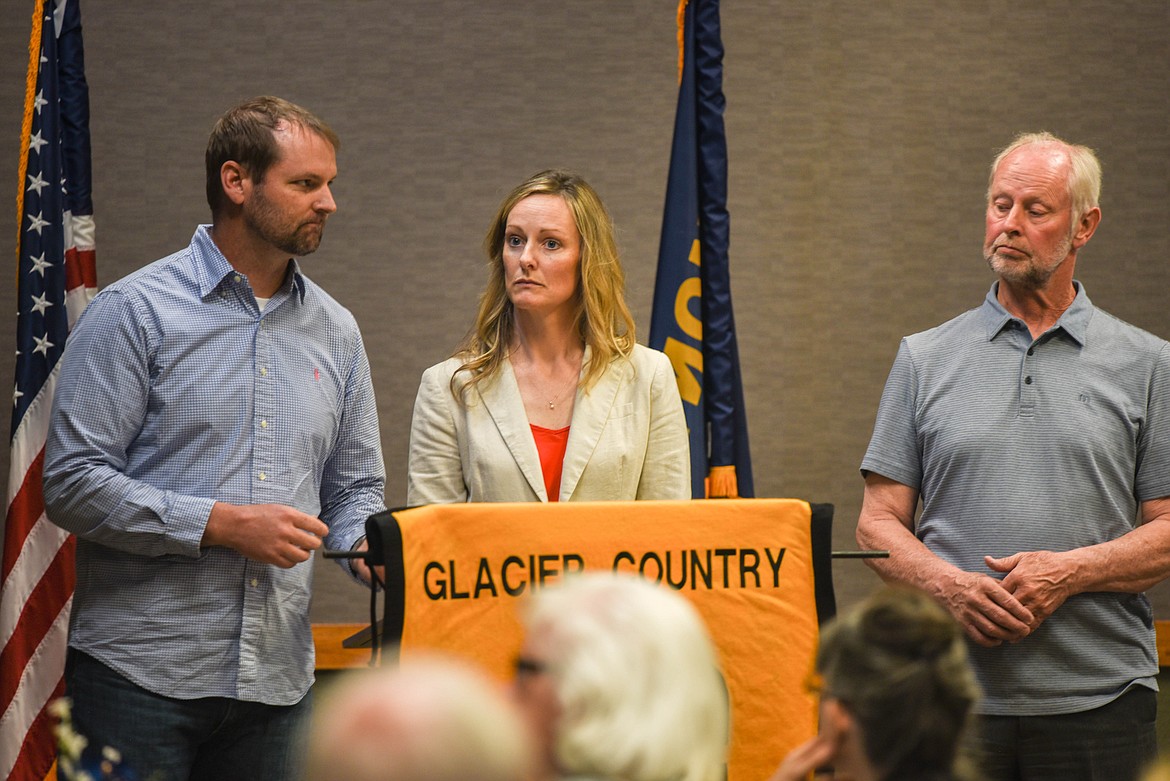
pixel 552 244
pixel 513 241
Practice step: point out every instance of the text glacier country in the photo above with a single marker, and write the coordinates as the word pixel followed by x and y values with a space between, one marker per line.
pixel 688 568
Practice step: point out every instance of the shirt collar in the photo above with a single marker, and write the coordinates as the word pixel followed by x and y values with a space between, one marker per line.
pixel 1074 321
pixel 212 268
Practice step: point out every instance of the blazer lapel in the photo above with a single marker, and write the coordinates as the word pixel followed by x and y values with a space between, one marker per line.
pixel 591 411
pixel 503 402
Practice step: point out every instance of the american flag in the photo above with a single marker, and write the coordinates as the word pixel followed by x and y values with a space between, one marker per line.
pixel 56 279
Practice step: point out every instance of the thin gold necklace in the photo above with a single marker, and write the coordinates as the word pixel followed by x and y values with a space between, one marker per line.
pixel 552 403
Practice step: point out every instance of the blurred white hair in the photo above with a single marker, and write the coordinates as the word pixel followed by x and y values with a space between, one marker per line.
pixel 430 720
pixel 637 678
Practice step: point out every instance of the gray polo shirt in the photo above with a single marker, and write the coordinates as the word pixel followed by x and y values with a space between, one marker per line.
pixel 1019 445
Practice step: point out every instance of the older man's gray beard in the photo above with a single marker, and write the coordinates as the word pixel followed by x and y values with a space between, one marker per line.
pixel 1033 273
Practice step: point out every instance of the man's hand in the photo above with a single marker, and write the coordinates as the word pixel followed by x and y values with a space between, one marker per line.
pixel 361 569
pixel 988 612
pixel 270 533
pixel 1037 579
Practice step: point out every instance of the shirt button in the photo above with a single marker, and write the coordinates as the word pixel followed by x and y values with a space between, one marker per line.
pixel 263 476
pixel 263 371
pixel 1027 380
pixel 1031 351
pixel 264 424
pixel 255 582
pixel 237 278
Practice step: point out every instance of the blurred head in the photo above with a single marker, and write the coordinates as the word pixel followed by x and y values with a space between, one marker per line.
pixel 597 295
pixel 897 666
pixel 428 720
pixel 1041 208
pixel 247 135
pixel 621 680
pixel 1159 771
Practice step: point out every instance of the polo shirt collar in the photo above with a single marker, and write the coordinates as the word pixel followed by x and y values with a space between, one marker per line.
pixel 1074 321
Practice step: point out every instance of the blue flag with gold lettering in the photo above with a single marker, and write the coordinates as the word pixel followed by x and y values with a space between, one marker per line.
pixel 692 320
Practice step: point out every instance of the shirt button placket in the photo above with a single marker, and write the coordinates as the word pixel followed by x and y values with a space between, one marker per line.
pixel 256 584
pixel 1028 382
pixel 263 406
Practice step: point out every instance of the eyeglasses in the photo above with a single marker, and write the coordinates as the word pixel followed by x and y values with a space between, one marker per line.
pixel 526 666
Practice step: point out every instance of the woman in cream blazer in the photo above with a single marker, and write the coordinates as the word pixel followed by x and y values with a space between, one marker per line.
pixel 627 440
pixel 552 350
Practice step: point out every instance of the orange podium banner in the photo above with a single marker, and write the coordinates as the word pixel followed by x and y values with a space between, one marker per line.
pixel 457 574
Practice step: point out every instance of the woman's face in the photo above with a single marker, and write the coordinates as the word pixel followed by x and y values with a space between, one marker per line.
pixel 542 253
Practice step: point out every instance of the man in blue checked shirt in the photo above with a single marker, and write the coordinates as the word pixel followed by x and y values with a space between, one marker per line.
pixel 214 424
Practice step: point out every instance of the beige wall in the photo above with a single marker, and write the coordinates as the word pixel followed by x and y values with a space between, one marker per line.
pixel 859 140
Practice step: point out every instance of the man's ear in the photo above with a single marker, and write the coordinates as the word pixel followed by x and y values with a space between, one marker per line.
pixel 1086 227
pixel 235 182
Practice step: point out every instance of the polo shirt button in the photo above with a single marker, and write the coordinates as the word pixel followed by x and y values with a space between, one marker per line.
pixel 1027 380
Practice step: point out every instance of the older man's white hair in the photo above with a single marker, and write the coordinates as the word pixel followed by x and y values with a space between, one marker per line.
pixel 430 720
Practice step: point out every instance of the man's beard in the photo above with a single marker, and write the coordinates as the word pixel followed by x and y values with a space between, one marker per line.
pixel 266 222
pixel 1032 273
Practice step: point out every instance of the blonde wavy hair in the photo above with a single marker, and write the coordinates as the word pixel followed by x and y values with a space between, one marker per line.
pixel 602 318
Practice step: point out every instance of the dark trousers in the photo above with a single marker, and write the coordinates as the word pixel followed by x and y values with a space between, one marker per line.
pixel 1112 743
pixel 166 739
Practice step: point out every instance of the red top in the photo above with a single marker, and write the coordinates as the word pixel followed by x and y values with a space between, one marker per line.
pixel 551 446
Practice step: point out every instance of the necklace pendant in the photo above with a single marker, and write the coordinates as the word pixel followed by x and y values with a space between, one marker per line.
pixel 551 405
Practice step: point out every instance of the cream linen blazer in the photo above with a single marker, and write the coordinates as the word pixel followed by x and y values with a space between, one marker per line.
pixel 627 439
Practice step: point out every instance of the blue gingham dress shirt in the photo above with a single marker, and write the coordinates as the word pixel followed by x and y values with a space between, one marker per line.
pixel 175 392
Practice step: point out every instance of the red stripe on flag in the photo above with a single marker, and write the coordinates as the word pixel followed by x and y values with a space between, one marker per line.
pixel 80 268
pixel 27 506
pixel 87 260
pixel 41 609
pixel 39 749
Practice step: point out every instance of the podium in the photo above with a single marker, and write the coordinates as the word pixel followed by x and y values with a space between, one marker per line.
pixel 757 571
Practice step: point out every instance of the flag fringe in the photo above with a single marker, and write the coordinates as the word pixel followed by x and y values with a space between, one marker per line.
pixel 30 89
pixel 722 483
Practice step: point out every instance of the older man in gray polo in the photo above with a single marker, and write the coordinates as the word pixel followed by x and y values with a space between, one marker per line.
pixel 1035 429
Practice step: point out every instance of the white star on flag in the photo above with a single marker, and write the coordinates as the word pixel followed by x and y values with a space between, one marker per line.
pixel 36 223
pixel 39 264
pixel 43 345
pixel 41 303
pixel 36 183
pixel 35 142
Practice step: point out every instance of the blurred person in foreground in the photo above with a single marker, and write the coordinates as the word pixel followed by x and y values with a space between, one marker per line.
pixel 1035 430
pixel 549 398
pixel 1159 771
pixel 896 695
pixel 214 424
pixel 620 682
pixel 431 719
